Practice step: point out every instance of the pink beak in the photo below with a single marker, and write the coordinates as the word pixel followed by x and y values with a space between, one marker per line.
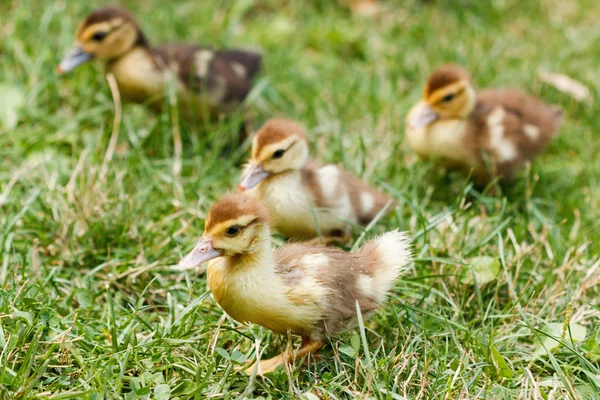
pixel 254 175
pixel 423 117
pixel 203 252
pixel 73 59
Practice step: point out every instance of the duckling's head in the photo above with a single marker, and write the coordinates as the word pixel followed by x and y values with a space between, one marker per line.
pixel 279 146
pixel 107 33
pixel 448 94
pixel 236 225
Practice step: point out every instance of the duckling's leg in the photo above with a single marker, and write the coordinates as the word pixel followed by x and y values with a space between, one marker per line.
pixel 267 366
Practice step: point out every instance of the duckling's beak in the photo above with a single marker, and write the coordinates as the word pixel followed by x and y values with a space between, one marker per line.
pixel 203 252
pixel 423 117
pixel 256 173
pixel 74 58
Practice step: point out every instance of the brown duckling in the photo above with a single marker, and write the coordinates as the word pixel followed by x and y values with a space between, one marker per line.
pixel 493 132
pixel 304 196
pixel 310 291
pixel 211 82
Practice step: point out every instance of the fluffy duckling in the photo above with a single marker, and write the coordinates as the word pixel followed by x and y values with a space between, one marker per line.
pixel 310 291
pixel 299 191
pixel 211 81
pixel 493 132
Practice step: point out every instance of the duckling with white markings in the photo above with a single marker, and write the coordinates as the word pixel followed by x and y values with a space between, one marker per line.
pixel 492 133
pixel 310 291
pixel 210 82
pixel 305 197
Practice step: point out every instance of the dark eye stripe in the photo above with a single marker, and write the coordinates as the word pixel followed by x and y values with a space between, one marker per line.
pixel 233 230
pixel 283 150
pixel 242 227
pixel 454 95
pixel 98 36
pixel 104 33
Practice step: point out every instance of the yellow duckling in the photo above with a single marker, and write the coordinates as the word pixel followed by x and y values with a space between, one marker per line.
pixel 310 291
pixel 493 132
pixel 299 191
pixel 211 82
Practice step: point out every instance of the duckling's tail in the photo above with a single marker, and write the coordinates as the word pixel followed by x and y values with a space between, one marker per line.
pixel 249 59
pixel 386 258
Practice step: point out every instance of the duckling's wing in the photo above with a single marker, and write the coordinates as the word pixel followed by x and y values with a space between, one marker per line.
pixel 313 180
pixel 514 127
pixel 224 75
pixel 249 60
pixel 332 187
pixel 366 201
pixel 295 264
pixel 328 277
pixel 525 110
pixel 236 70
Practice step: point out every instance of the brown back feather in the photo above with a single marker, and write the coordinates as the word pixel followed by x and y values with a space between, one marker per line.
pixel 348 183
pixel 520 110
pixel 310 179
pixel 340 278
pixel 219 70
pixel 355 187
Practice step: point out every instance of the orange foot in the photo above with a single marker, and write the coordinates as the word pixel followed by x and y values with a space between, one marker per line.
pixel 270 365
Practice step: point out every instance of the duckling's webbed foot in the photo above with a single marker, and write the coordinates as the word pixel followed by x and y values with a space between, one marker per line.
pixel 266 366
pixel 270 365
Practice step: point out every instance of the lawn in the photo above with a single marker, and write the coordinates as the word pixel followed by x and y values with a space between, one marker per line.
pixel 89 308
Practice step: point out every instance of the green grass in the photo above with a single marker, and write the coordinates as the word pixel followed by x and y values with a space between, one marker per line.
pixel 89 309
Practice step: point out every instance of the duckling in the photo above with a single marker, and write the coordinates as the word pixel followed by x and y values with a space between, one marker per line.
pixel 211 82
pixel 305 197
pixel 494 132
pixel 310 291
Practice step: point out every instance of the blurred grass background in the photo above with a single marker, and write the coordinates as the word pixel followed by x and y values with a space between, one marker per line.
pixel 88 308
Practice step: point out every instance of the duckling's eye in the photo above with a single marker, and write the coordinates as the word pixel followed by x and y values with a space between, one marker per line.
pixel 448 98
pixel 98 36
pixel 278 153
pixel 233 230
